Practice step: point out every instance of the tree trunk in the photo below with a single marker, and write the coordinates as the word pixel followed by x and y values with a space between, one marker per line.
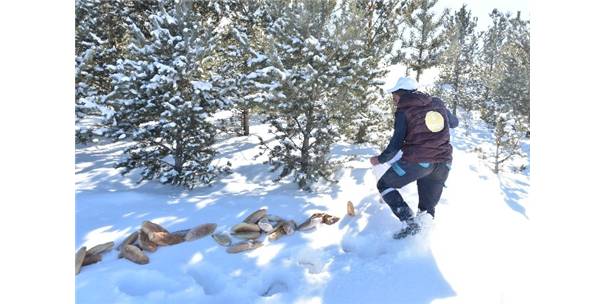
pixel 360 135
pixel 305 153
pixel 305 145
pixel 456 89
pixel 496 156
pixel 420 60
pixel 245 122
pixel 418 69
pixel 179 157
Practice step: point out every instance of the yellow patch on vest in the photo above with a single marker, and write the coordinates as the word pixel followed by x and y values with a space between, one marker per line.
pixel 434 121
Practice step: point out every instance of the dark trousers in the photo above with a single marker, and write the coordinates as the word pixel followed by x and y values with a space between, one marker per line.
pixel 430 182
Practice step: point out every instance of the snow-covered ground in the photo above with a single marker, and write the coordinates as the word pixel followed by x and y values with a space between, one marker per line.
pixel 473 252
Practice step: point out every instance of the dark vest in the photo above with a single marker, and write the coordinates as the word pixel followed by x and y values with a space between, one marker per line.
pixel 422 144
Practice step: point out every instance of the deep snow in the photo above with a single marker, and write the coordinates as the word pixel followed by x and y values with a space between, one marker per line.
pixel 473 252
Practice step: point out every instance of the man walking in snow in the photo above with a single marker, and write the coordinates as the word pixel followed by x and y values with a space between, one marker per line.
pixel 421 131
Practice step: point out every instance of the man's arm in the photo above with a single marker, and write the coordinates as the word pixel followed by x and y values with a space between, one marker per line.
pixel 397 139
pixel 453 121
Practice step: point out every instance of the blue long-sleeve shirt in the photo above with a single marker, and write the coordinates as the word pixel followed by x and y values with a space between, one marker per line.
pixel 399 133
pixel 397 139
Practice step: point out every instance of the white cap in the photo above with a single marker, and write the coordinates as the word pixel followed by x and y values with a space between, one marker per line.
pixel 404 83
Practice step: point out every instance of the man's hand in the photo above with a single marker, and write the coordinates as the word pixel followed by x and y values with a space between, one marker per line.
pixel 374 160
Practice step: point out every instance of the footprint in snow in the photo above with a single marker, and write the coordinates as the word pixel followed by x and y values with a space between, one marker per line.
pixel 365 245
pixel 275 288
pixel 211 280
pixel 315 261
pixel 141 282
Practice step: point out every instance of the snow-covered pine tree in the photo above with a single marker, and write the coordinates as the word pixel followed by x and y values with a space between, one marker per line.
pixel 101 39
pixel 506 139
pixel 306 57
pixel 164 96
pixel 514 87
pixel 367 29
pixel 243 48
pixel 425 42
pixel 456 67
pixel 490 67
pixel 504 79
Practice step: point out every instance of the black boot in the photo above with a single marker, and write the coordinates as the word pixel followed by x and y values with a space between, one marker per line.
pixel 412 228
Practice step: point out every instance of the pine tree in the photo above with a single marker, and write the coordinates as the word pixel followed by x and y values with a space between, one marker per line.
pixel 164 96
pixel 506 139
pixel 102 37
pixel 366 28
pixel 514 87
pixel 243 48
pixel 456 68
pixel 423 47
pixel 504 68
pixel 490 67
pixel 305 56
pixel 100 40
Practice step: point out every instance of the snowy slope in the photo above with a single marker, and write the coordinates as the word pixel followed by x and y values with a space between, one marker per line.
pixel 472 253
